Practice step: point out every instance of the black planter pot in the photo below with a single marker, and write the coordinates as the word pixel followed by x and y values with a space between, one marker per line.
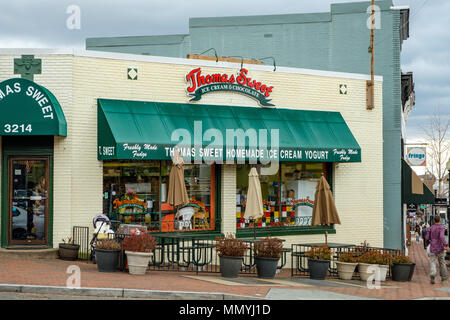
pixel 107 260
pixel 318 269
pixel 68 251
pixel 230 266
pixel 403 272
pixel 266 267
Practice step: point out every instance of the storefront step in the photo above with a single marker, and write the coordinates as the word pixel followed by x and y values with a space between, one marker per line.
pixel 49 253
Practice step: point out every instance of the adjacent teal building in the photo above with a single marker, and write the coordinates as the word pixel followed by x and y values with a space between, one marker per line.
pixel 337 41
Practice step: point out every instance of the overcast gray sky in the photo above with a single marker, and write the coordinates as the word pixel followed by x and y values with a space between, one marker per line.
pixel 42 24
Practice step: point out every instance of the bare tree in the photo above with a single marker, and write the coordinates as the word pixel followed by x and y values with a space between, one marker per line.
pixel 437 132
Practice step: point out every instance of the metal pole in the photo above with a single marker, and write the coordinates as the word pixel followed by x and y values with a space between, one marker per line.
pixel 370 84
pixel 372 46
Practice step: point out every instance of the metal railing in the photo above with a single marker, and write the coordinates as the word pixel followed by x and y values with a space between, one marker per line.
pixel 80 235
pixel 185 255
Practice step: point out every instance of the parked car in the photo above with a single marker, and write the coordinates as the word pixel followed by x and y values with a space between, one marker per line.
pixel 20 223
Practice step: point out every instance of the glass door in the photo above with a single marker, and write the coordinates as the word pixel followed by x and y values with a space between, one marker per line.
pixel 28 200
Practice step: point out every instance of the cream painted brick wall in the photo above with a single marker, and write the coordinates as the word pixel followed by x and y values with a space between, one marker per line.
pixel 78 81
pixel 228 198
pixel 57 77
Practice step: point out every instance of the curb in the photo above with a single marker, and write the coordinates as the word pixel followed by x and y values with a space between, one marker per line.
pixel 123 293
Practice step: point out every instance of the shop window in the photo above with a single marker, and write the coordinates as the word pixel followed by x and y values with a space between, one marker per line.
pixel 288 195
pixel 136 193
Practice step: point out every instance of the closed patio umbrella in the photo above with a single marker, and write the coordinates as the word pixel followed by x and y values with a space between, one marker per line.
pixel 254 205
pixel 324 210
pixel 177 195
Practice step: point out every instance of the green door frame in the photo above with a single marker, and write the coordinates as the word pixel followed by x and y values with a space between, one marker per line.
pixel 24 151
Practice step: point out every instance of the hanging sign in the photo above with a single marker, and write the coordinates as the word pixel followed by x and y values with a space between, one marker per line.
pixel 202 84
pixel 417 156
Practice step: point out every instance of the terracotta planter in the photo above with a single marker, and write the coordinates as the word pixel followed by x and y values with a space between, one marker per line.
pixel 138 262
pixel 346 270
pixel 68 251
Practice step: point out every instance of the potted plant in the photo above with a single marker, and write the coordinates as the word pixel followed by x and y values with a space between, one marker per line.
pixel 231 253
pixel 346 265
pixel 402 268
pixel 107 254
pixel 318 262
pixel 368 263
pixel 267 253
pixel 139 247
pixel 384 262
pixel 68 250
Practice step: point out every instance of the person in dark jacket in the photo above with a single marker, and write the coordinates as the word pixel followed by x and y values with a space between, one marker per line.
pixel 438 246
pixel 418 233
pixel 424 234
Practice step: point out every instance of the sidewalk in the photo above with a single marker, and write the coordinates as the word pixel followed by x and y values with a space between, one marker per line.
pixel 20 275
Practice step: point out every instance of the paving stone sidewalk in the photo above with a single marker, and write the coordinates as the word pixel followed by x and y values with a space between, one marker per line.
pixel 41 274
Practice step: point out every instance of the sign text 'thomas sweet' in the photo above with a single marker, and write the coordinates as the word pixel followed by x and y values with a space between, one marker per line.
pixel 202 84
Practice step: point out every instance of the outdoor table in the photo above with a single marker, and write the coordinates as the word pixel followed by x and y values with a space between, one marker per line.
pixel 182 249
pixel 252 263
pixel 301 254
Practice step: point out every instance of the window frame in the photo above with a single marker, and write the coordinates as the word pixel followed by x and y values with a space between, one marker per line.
pixel 295 230
pixel 214 206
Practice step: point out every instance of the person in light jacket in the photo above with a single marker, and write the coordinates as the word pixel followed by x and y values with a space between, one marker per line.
pixel 438 246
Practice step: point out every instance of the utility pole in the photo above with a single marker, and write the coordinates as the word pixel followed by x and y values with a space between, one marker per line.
pixel 370 96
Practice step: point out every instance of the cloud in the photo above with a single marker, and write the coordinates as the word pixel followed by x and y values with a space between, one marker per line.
pixel 38 24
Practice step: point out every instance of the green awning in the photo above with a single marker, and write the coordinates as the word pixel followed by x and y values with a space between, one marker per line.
pixel 27 108
pixel 143 130
pixel 414 191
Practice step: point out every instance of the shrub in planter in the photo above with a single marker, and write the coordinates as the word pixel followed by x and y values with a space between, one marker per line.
pixel 267 253
pixel 231 252
pixel 402 268
pixel 370 259
pixel 139 247
pixel 68 250
pixel 107 255
pixel 318 262
pixel 346 265
pixel 385 261
pixel 366 263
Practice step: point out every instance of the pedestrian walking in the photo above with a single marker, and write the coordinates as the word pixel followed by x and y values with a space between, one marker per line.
pixel 417 233
pixel 424 234
pixel 438 246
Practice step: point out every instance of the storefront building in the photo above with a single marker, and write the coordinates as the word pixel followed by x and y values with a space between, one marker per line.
pixel 335 40
pixel 86 132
